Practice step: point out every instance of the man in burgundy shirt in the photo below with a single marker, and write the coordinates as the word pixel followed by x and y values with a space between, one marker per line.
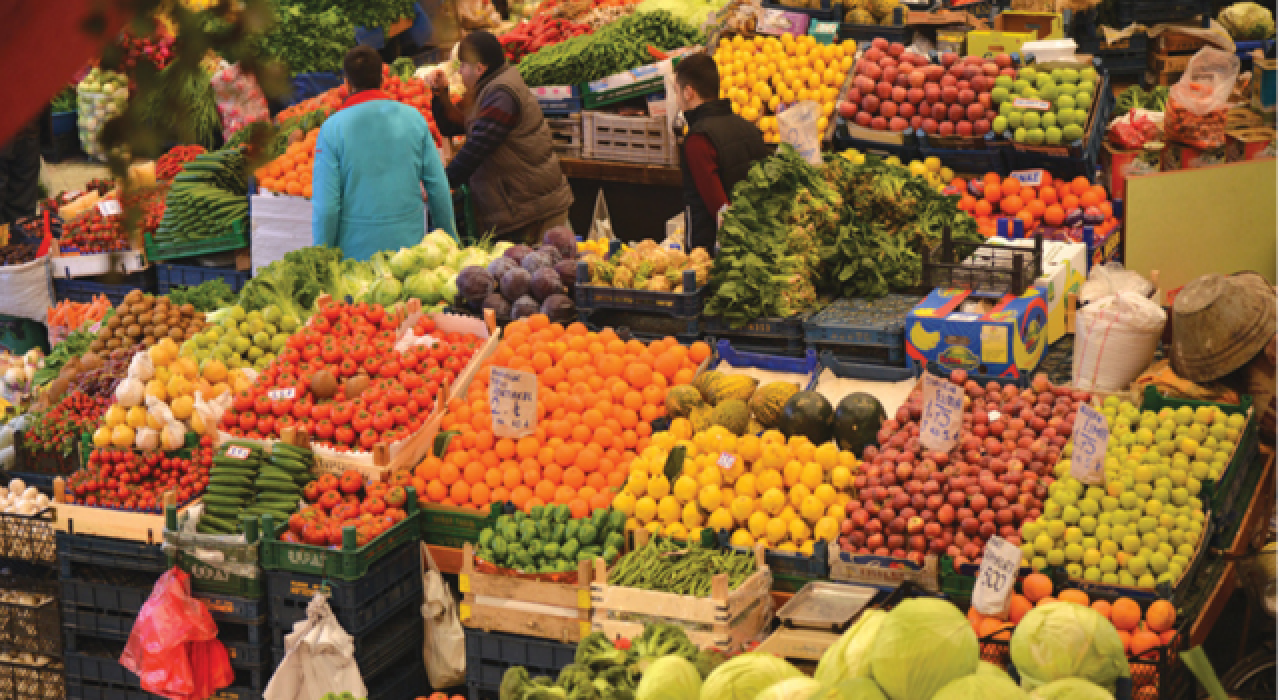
pixel 718 149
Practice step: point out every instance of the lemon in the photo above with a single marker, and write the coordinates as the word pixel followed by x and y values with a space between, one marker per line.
pixel 788 513
pixel 658 487
pixel 727 494
pixel 632 524
pixel 115 416
pixel 676 531
pixel 806 548
pixel 812 509
pixel 799 530
pixel 786 547
pixel 102 436
pixel 710 477
pixel 720 519
pixel 686 489
pixel 791 473
pixel 917 168
pixel 836 510
pixel 654 528
pixel 801 448
pixel 709 497
pixel 774 456
pixel 798 493
pixel 812 475
pixel 746 486
pixel 768 479
pixel 750 114
pixel 773 437
pixel 741 508
pixel 669 509
pixel 828 456
pixel 841 477
pixel 826 493
pixel 741 538
pixel 625 502
pixel 646 508
pixel 933 163
pixel 757 522
pixel 773 501
pixel 638 483
pixel 827 529
pixel 691 516
pixel 776 530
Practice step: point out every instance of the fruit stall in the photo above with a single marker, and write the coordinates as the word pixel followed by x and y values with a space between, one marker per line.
pixel 960 404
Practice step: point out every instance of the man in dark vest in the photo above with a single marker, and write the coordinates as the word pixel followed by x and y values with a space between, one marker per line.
pixel 718 149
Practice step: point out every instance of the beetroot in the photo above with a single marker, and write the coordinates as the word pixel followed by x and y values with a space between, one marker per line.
pixel 515 283
pixel 562 238
pixel 559 308
pixel 546 282
pixel 568 271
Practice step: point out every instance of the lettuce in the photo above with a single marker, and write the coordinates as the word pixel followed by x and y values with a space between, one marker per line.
pixel 849 657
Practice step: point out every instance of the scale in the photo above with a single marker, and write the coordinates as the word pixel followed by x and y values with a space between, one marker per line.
pixel 814 619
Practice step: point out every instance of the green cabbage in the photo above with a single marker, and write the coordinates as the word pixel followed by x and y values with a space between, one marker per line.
pixel 404 262
pixel 852 689
pixel 670 678
pixel 1247 21
pixel 982 686
pixel 385 290
pixel 1065 640
pixel 801 688
pixel 449 289
pixel 431 255
pixel 1070 689
pixel 441 239
pixel 848 657
pixel 745 676
pixel 423 285
pixel 987 669
pixel 471 256
pixel 499 249
pixel 924 644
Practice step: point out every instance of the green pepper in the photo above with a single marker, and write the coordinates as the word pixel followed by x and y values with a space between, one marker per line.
pixel 617 520
pixel 536 512
pixel 600 518
pixel 557 532
pixel 615 540
pixel 528 531
pixel 499 545
pixel 486 536
pixel 562 513
pixel 571 530
pixel 524 561
pixel 551 550
pixel 569 550
pixel 511 531
pixel 518 517
pixel 534 548
pixel 610 553
pixel 587 533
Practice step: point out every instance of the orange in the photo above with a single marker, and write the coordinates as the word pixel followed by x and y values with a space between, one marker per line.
pixel 1036 587
pixel 967 202
pixel 1009 186
pixel 1011 204
pixel 449 474
pixel 574 477
pixel 1125 638
pixel 545 490
pixel 506 448
pixel 1074 596
pixel 1054 215
pixel 1070 202
pixel 1026 194
pixel 520 494
pixel 460 492
pixel 601 501
pixel 992 193
pixel 1036 208
pixel 480 495
pixel 579 508
pixel 639 375
pixel 564 494
pixel 428 469
pixel 1144 641
pixel 699 351
pixel 1089 199
pixel 982 208
pixel 512 478
pixel 1103 608
pixel 436 491
pixel 1080 185
pixel 1018 606
pixel 1125 614
pixel 532 503
pixel 996 629
pixel 1048 195
pixel 1161 616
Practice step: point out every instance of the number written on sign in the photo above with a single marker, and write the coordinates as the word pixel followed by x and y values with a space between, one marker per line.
pixel 1089 440
pixel 943 416
pixel 513 401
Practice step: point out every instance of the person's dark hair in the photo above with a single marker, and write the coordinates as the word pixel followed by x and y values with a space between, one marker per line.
pixel 483 48
pixel 363 68
pixel 700 73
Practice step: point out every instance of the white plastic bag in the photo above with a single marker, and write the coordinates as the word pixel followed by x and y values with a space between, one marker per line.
pixel 159 411
pixel 319 658
pixel 206 413
pixel 28 289
pixel 1196 113
pixel 799 127
pixel 1112 278
pixel 1116 338
pixel 444 644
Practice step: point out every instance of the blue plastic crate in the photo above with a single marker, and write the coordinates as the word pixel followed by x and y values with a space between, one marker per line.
pixel 358 605
pixel 994 158
pixel 1245 49
pixel 64 122
pixel 406 680
pixel 907 151
pixel 862 321
pixel 725 352
pixel 1126 57
pixel 560 108
pixel 308 85
pixel 170 276
pixel 109 552
pixel 865 33
pixel 683 305
pixel 766 336
pixel 84 289
pixel 77 594
pixel 249 684
pixel 490 654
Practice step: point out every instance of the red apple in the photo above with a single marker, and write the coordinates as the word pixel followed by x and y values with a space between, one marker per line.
pixel 940 112
pixel 1004 60
pixel 898 94
pixel 915 95
pixel 872 71
pixel 966 97
pixel 879 123
pixel 955 113
pixel 916 78
pixel 934 73
pixel 906 110
pixel 948 58
pixel 888 109
pixel 863 119
pixel 871 103
pixel 948 81
pixel 864 84
pixel 973 60
pixel 887 62
pixel 854 95
pixel 889 74
pixel 898 124
pixel 874 54
pixel 974 111
pixel 917 122
pixel 847 109
pixel 991 68
pixel 896 49
pixel 932 92
pixel 880 43
pixel 946 129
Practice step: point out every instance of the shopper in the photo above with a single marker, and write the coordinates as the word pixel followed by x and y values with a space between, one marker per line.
pixel 20 174
pixel 373 158
pixel 718 149
pixel 516 184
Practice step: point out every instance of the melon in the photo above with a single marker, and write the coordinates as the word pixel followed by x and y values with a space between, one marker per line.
pixel 701 418
pixel 733 414
pixel 807 413
pixel 857 420
pixel 705 382
pixel 766 404
pixel 858 16
pixel 733 386
pixel 681 400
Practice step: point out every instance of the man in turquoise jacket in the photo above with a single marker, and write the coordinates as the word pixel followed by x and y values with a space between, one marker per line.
pixel 370 157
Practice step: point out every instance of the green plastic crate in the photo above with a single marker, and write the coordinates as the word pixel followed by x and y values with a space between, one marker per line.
pixel 595 100
pixel 453 526
pixel 237 574
pixel 234 240
pixel 349 562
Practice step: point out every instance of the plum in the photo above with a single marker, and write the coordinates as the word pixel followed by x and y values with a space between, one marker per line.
pixel 500 265
pixel 501 307
pixel 568 271
pixel 518 252
pixel 524 306
pixel 559 308
pixel 561 238
pixel 536 261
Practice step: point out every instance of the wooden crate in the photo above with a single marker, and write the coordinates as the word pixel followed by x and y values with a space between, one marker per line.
pixel 107 522
pixel 725 621
pixel 1161 62
pixel 1171 40
pixel 500 603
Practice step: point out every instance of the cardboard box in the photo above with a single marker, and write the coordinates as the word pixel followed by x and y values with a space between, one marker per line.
pixel 1250 144
pixel 1064 267
pixel 1012 30
pixel 1179 156
pixel 1006 340
pixel 1263 85
pixel 1119 164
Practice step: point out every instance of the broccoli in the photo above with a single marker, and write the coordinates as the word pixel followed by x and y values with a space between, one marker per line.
pixel 596 652
pixel 662 639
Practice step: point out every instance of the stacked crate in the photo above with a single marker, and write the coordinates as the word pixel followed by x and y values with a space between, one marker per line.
pixel 1170 55
pixel 30 622
pixel 381 609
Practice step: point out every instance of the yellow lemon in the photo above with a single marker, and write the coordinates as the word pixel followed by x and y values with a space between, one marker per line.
pixel 775 455
pixel 827 529
pixel 773 107
pixel 841 477
pixel 786 547
pixel 720 519
pixel 709 497
pixel 710 476
pixel 776 531
pixel 742 539
pixel 136 418
pixel 788 514
pixel 686 489
pixel 750 114
pixel 675 531
pixel 741 508
pixel 738 41
pixel 746 486
pixel 798 493
pixel 625 502
pixel 806 548
pixel 668 509
pixel 102 436
pixel 727 495
pixel 646 508
pixel 827 455
pixel 848 459
pixel 814 80
pixel 799 530
pixel 658 487
pixel 773 501
pixel 836 510
pixel 801 448
pixel 812 509
pixel 822 125
pixel 791 473
pixel 757 522
pixel 773 437
pixel 654 528
pixel 115 416
pixel 827 494
pixel 691 515
pixel 681 429
pixel 156 388
pixel 812 475
pixel 767 480
pixel 122 436
pixel 638 483
pixel 849 47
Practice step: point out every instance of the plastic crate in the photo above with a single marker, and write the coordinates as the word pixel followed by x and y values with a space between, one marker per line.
pixel 29 538
pixel 84 289
pixel 681 305
pixel 109 553
pixel 78 689
pixel 378 649
pixel 643 325
pixel 986 269
pixel 217 564
pixel 235 239
pixel 994 158
pixel 406 680
pixel 865 33
pixel 28 682
pixel 736 357
pixel 170 276
pixel 347 563
pixel 248 684
pixel 864 330
pixel 644 140
pixel 906 151
pixel 358 605
pixel 566 134
pixel 32 629
pixel 225 608
pixel 1126 57
pixel 248 646
pixel 791 565
pixel 1081 160
pixel 453 526
pixel 490 654
pixel 830 11
pixel 788 333
pixel 307 85
pixel 1056 361
pixel 1153 12
pixel 91 595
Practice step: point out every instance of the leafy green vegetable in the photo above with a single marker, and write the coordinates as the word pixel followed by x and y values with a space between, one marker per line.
pixel 1136 98
pixel 184 104
pixel 294 283
pixel 617 47
pixel 76 344
pixel 64 101
pixel 207 296
pixel 308 39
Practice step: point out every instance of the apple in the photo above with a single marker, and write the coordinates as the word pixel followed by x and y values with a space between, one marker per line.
pixel 949 94
pixel 946 129
pixel 888 109
pixel 864 84
pixel 872 71
pixel 847 109
pixel 991 68
pixel 873 54
pixel 1003 61
pixel 906 110
pixel 915 95
pixel 948 81
pixel 917 122
pixel 896 49
pixel 854 95
pixel 933 73
pixel 898 94
pixel 948 58
pixel 973 60
pixel 916 78
pixel 955 113
pixel 884 90
pixel 871 103
pixel 965 97
pixel 898 124
pixel 940 112
pixel 880 43
pixel 974 111
pixel 886 62
pixel 879 124
pixel 932 92
pixel 863 119
pixel 958 71
pixel 929 124
pixel 889 74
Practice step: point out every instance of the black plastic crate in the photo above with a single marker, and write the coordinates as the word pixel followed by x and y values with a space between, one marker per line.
pixel 993 157
pixel 249 684
pixel 248 646
pixel 109 553
pixel 358 605
pixel 103 596
pixel 770 336
pixel 226 608
pixel 830 11
pixel 986 269
pixel 865 33
pixel 406 680
pixel 906 151
pixel 29 538
pixel 34 629
pixel 98 661
pixel 490 654
pixel 375 650
pixel 170 276
pixel 1056 361
pixel 28 682
pixel 687 304
pixel 115 287
pixel 78 689
pixel 642 325
pixel 1153 12
pixel 1125 58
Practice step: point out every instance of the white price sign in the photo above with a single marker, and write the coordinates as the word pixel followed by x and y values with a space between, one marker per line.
pixel 513 401
pixel 1089 445
pixel 993 588
pixel 109 207
pixel 238 452
pixel 281 394
pixel 726 460
pixel 943 415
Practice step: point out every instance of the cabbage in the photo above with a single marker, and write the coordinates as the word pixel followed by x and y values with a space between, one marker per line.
pixel 981 686
pixel 404 262
pixel 745 676
pixel 987 669
pixel 385 290
pixel 441 239
pixel 499 248
pixel 923 644
pixel 669 678
pixel 449 290
pixel 852 689
pixel 430 255
pixel 471 256
pixel 801 688
pixel 848 657
pixel 1065 640
pixel 424 285
pixel 1070 689
pixel 1248 21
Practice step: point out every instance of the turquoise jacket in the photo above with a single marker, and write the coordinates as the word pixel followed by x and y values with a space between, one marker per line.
pixel 370 157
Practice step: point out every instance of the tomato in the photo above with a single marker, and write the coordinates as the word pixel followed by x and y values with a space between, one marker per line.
pixel 262 404
pixel 342 413
pixel 324 429
pixel 382 421
pixel 248 421
pixel 243 401
pixel 329 500
pixel 282 407
pixel 361 421
pixel 348 368
pixel 369 438
pixel 351 481
pixel 400 414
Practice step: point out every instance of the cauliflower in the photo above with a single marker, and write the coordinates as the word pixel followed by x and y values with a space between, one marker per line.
pixel 659 283
pixel 1247 21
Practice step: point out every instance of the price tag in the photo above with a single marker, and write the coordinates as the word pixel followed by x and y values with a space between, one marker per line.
pixel 1029 178
pixel 513 401
pixel 1027 103
pixel 1089 445
pixel 97 326
pixel 994 586
pixel 943 415
pixel 281 394
pixel 109 207
pixel 71 195
pixel 727 460
pixel 238 452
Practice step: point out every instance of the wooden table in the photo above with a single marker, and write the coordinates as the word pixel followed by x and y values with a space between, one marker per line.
pixel 611 171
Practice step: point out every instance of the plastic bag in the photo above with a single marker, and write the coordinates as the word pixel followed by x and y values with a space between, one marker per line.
pixel 1135 129
pixel 28 289
pixel 173 647
pixel 240 101
pixel 799 126
pixel 1197 111
pixel 1116 338
pixel 444 644
pixel 159 411
pixel 207 412
pixel 319 658
pixel 1113 278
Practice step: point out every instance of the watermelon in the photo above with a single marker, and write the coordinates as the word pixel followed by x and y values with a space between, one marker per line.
pixel 807 413
pixel 858 418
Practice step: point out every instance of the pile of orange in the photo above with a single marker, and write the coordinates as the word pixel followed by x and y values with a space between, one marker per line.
pixel 597 395
pixel 1047 205
pixel 290 173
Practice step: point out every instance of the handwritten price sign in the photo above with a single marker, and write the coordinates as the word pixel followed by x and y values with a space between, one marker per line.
pixel 1089 445
pixel 943 415
pixel 281 394
pixel 994 586
pixel 513 401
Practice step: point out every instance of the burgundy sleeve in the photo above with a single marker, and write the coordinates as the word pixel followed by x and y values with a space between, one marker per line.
pixel 702 159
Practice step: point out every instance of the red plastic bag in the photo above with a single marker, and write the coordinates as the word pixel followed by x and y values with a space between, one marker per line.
pixel 1133 130
pixel 173 647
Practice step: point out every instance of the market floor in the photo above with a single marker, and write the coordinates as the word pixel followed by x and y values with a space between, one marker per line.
pixel 70 174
